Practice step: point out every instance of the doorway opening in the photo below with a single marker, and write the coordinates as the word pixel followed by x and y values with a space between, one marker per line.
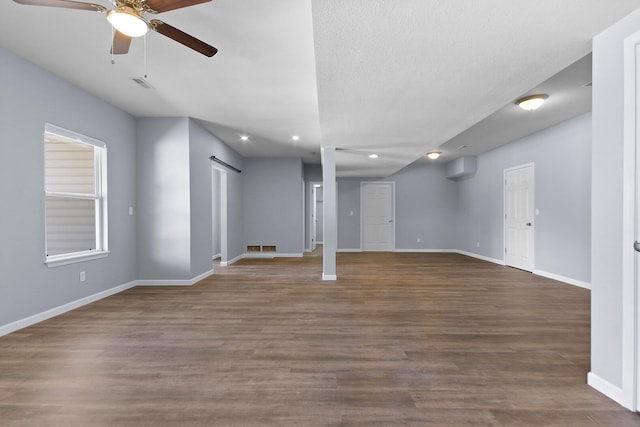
pixel 219 215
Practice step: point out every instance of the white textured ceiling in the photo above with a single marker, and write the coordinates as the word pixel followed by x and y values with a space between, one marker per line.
pixel 398 78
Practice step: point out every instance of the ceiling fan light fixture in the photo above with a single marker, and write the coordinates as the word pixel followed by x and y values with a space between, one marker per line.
pixel 532 102
pixel 433 155
pixel 128 22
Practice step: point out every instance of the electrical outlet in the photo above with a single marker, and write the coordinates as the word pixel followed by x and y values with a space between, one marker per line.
pixel 130 210
pixel 83 276
pixel 418 239
pixel 477 244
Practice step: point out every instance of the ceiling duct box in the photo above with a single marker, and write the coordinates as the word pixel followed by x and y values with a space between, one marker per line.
pixel 462 167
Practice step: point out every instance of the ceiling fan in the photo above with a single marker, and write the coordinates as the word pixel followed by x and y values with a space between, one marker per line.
pixel 128 20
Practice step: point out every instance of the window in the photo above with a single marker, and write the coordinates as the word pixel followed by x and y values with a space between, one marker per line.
pixel 75 182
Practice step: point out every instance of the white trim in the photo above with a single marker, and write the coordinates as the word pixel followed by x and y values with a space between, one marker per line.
pixel 48 314
pixel 233 261
pixel 606 388
pixel 428 251
pixel 75 136
pixel 629 301
pixel 57 261
pixel 189 282
pixel 564 279
pixel 349 250
pixel 482 257
pixel 329 277
pixel 216 256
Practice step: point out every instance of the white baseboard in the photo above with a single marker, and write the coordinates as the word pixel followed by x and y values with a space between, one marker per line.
pixel 216 256
pixel 605 387
pixel 349 250
pixel 189 282
pixel 36 318
pixel 234 260
pixel 426 251
pixel 482 257
pixel 564 279
pixel 328 277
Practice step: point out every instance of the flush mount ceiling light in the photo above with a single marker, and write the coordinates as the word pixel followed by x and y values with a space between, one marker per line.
pixel 126 20
pixel 244 138
pixel 433 155
pixel 373 156
pixel 295 137
pixel 532 102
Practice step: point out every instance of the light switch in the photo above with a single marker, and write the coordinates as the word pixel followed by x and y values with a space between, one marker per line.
pixel 130 210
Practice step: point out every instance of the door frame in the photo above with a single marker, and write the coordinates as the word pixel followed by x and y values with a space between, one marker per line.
pixel 504 211
pixel 313 214
pixel 224 253
pixel 363 184
pixel 630 387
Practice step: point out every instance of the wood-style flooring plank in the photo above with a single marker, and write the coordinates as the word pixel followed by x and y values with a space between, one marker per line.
pixel 399 340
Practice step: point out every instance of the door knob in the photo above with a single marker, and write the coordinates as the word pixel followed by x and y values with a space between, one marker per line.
pixel 636 246
pixel 528 224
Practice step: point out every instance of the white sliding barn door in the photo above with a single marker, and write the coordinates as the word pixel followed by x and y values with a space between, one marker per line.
pixel 519 244
pixel 378 230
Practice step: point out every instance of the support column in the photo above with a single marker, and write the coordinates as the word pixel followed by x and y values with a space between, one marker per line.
pixel 330 214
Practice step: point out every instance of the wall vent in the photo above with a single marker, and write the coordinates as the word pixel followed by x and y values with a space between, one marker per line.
pixel 253 248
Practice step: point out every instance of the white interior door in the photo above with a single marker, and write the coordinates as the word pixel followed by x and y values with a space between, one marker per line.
pixel 519 211
pixel 378 230
pixel 636 285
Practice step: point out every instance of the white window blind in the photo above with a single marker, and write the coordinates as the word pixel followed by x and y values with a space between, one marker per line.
pixel 75 202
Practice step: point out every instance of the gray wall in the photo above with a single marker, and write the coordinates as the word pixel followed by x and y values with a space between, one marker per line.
pixel 29 97
pixel 312 173
pixel 425 207
pixel 606 269
pixel 273 204
pixel 426 202
pixel 203 145
pixel 164 211
pixel 349 225
pixel 175 199
pixel 562 158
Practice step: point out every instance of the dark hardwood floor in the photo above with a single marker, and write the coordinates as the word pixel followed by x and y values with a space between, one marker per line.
pixel 398 340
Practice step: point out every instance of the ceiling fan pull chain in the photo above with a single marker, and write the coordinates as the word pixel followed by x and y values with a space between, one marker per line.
pixel 112 38
pixel 145 56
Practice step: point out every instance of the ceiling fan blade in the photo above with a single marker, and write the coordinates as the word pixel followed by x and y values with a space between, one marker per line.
pixel 121 43
pixel 182 37
pixel 67 4
pixel 159 6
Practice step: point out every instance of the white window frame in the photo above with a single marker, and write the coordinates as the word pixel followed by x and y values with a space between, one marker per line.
pixel 100 197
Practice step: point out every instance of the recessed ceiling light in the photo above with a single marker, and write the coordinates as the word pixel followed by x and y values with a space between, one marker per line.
pixel 295 137
pixel 433 155
pixel 373 156
pixel 532 102
pixel 244 138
